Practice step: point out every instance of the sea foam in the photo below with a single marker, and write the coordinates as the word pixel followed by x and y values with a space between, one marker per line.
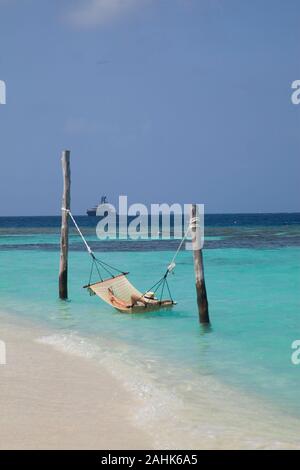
pixel 199 413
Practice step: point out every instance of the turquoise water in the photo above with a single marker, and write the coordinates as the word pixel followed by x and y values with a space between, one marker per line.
pixel 254 308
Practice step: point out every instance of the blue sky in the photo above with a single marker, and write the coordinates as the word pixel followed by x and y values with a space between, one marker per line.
pixel 161 100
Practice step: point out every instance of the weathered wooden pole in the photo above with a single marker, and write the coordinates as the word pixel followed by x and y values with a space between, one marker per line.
pixel 64 238
pixel 199 268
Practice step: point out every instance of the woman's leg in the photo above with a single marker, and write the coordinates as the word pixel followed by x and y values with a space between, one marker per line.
pixel 135 298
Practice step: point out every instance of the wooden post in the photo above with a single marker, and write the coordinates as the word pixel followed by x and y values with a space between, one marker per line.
pixel 199 270
pixel 64 238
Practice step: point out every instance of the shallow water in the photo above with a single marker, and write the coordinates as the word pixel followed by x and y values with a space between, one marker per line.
pixel 199 375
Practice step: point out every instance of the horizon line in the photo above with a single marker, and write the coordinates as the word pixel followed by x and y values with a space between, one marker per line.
pixel 205 213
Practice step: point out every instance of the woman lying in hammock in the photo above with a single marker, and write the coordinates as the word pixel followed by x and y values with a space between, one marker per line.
pixel 136 301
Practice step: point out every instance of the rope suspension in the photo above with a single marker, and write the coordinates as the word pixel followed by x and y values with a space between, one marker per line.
pixel 194 223
pixel 99 264
pixel 96 262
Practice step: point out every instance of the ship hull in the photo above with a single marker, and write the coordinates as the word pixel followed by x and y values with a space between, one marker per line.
pixel 91 212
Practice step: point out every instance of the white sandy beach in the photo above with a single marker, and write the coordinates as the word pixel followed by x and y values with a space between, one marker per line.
pixel 52 400
pixel 54 395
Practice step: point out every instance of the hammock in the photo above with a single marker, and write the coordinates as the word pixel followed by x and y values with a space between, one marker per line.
pixel 117 290
pixel 122 295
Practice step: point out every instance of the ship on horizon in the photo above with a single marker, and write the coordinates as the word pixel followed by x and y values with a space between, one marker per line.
pixel 93 210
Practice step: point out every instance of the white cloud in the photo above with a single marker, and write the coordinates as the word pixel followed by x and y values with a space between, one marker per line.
pixel 90 13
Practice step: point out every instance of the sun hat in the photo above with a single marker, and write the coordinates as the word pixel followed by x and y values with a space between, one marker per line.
pixel 149 295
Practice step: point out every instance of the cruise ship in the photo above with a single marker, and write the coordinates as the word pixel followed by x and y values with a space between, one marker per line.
pixel 93 210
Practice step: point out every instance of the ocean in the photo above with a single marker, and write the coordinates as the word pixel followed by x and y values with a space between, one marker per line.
pixel 231 384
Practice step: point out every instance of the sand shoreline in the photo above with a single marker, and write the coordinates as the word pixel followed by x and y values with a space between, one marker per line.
pixel 53 400
pixel 59 391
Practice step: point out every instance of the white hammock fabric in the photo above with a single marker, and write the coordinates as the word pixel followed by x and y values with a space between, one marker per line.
pixel 124 291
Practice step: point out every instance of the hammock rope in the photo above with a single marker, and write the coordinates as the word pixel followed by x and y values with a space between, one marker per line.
pixel 194 223
pixel 95 261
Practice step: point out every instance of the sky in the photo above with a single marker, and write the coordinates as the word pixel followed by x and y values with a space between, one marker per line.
pixel 173 101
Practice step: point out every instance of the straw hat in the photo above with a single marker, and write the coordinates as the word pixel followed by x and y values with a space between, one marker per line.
pixel 149 295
